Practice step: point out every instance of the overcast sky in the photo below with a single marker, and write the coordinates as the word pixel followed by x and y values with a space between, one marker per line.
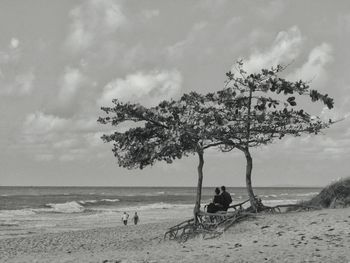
pixel 60 61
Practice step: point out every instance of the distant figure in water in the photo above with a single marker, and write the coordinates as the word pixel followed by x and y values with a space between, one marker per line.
pixel 226 197
pixel 125 218
pixel 136 218
pixel 217 204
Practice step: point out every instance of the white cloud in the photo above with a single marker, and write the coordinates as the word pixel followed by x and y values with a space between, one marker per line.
pixel 92 21
pixel 273 9
pixel 44 157
pixel 314 67
pixel 20 84
pixel 50 137
pixel 146 88
pixel 24 83
pixel 14 43
pixel 150 13
pixel 177 50
pixel 284 49
pixel 39 123
pixel 70 84
pixel 14 78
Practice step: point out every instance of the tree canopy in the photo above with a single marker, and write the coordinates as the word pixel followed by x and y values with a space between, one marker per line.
pixel 251 110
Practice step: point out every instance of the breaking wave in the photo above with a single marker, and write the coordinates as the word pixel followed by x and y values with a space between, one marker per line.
pixel 68 207
pixel 156 206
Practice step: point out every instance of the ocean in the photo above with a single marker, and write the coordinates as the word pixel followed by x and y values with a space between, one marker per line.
pixel 32 210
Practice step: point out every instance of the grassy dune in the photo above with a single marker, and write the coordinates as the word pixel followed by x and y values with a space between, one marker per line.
pixel 332 196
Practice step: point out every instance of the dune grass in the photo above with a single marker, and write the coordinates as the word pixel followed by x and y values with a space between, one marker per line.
pixel 334 195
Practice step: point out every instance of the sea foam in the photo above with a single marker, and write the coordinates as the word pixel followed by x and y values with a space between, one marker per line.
pixel 68 207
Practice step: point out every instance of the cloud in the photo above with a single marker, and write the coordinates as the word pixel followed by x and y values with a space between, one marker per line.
pixel 44 157
pixel 39 123
pixel 49 137
pixel 177 50
pixel 150 13
pixel 71 82
pixel 14 43
pixel 314 67
pixel 14 79
pixel 20 84
pixel 146 88
pixel 284 49
pixel 272 9
pixel 92 21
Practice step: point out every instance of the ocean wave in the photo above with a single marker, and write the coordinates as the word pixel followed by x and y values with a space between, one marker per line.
pixel 9 224
pixel 269 196
pixel 97 202
pixel 110 200
pixel 83 202
pixel 308 194
pixel 68 207
pixel 155 206
pixel 74 206
pixel 17 212
pixel 279 202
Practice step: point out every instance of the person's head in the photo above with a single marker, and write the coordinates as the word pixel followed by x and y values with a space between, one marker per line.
pixel 124 212
pixel 223 188
pixel 217 190
pixel 135 213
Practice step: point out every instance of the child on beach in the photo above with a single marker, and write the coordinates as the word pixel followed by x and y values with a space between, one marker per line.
pixel 125 218
pixel 136 218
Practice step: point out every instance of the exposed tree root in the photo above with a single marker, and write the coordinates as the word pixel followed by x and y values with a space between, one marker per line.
pixel 209 225
pixel 212 225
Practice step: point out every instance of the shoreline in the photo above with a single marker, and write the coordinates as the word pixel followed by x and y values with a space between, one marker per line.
pixel 317 236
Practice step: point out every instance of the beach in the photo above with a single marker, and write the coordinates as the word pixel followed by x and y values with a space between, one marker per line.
pixel 316 236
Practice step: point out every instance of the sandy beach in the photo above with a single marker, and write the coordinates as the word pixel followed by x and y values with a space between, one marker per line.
pixel 317 236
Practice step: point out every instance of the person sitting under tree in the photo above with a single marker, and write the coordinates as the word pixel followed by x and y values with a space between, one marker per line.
pixel 217 204
pixel 226 197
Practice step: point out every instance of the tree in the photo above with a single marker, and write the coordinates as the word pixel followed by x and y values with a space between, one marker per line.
pixel 251 110
pixel 166 132
pixel 261 107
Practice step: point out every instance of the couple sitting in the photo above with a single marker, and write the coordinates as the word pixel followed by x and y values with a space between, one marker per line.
pixel 221 201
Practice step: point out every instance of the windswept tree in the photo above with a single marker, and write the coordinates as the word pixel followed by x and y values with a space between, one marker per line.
pixel 252 110
pixel 261 107
pixel 166 132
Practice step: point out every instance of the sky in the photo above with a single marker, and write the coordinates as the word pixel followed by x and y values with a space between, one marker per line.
pixel 60 61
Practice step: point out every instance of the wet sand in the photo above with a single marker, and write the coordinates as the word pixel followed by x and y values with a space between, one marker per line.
pixel 318 236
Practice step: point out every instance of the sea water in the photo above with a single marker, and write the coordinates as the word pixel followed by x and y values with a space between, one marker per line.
pixel 32 210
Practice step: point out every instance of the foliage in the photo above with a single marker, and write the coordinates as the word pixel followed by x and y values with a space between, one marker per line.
pixel 252 110
pixel 335 194
pixel 263 106
pixel 168 131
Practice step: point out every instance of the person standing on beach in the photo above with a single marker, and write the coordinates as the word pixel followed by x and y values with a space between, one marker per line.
pixel 227 199
pixel 125 218
pixel 136 218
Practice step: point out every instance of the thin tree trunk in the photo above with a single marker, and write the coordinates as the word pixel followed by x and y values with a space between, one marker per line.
pixel 248 178
pixel 199 185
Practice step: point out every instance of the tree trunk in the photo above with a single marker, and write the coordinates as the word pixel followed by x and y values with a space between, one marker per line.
pixel 199 185
pixel 248 178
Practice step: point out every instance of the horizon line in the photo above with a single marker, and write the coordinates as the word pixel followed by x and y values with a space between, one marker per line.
pixel 176 186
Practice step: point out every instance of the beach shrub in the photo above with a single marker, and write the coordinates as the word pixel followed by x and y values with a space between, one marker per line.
pixel 332 196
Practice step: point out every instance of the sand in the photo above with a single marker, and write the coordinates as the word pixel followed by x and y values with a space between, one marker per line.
pixel 318 236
